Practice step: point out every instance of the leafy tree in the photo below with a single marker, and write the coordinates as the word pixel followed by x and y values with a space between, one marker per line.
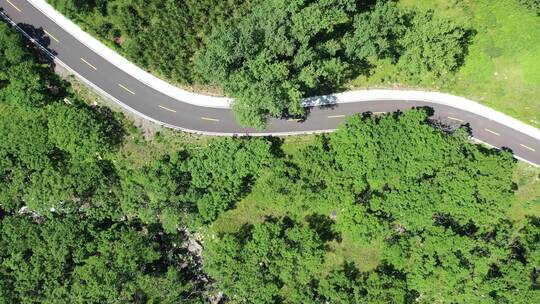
pixel 23 81
pixel 78 224
pixel 277 258
pixel 139 29
pixel 441 265
pixel 377 32
pixel 458 264
pixel 433 45
pixel 280 259
pixel 515 279
pixel 63 235
pixel 348 285
pixel 224 172
pixel 419 42
pixel 24 134
pixel 156 191
pixel 436 202
pixel 49 150
pixel 78 7
pixel 35 173
pixel 66 260
pixel 79 132
pixel 268 55
pixel 383 158
pixel 277 53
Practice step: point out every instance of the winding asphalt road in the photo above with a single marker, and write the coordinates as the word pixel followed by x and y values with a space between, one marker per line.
pixel 151 103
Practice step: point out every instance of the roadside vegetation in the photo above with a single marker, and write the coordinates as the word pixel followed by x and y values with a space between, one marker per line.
pixel 270 54
pixel 160 36
pixel 501 69
pixel 387 209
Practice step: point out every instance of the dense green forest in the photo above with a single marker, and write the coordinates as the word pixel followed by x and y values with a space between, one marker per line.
pixel 79 223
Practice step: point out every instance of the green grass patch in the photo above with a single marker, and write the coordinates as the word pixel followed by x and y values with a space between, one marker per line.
pixel 291 144
pixel 364 257
pixel 248 211
pixel 527 196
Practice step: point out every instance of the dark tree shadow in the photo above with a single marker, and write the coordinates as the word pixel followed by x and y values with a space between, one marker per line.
pixel 489 151
pixel 298 118
pixel 467 127
pixel 466 42
pixel 364 197
pixel 449 222
pixel 36 38
pixel 38 34
pixel 115 128
pixel 323 226
pixel 427 109
pixel 276 146
pixel 242 234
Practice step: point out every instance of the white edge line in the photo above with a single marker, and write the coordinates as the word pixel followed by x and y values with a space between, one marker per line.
pixel 114 99
pixel 107 95
pixel 125 65
pixel 221 102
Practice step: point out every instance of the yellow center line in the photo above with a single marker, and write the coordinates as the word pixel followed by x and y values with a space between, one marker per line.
pixel 89 64
pixel 164 108
pixel 492 132
pixel 14 6
pixel 123 87
pixel 336 116
pixel 456 119
pixel 527 147
pixel 209 119
pixel 50 35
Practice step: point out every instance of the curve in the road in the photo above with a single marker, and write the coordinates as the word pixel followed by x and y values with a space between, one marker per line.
pixel 195 113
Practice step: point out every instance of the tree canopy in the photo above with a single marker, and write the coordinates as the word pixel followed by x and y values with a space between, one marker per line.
pixel 80 223
pixel 273 55
pixel 63 235
pixel 64 260
pixel 161 36
pixel 435 203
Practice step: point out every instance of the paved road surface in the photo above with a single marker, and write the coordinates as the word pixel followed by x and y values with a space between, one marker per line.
pixel 160 107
